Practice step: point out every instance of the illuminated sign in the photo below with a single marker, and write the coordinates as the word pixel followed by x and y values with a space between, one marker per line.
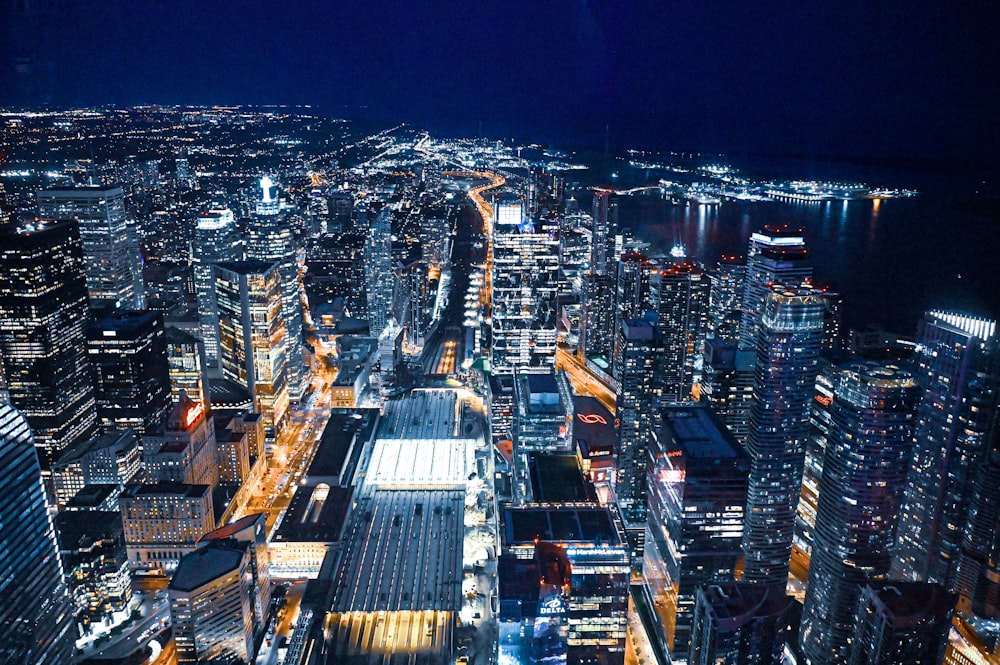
pixel 824 400
pixel 192 415
pixel 552 605
pixel 592 418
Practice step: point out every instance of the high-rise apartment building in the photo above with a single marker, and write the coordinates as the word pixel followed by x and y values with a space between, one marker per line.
pixel 252 336
pixel 902 623
pixel 636 353
pixel 776 255
pixel 270 239
pixel 380 281
pixel 697 477
pixel 110 242
pixel 599 315
pixel 525 286
pixel 605 215
pixel 43 345
pixel 36 616
pixel 864 469
pixel 216 240
pixel 726 300
pixel 958 364
pixel 737 623
pixel 681 294
pixel 788 345
pixel 128 351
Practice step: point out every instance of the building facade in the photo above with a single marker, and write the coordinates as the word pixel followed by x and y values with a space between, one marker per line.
pixel 36 615
pixel 110 242
pixel 216 240
pixel 785 368
pixel 43 342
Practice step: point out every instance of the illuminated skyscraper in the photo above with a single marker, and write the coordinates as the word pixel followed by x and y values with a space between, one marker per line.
pixel 36 616
pixel 978 575
pixel 129 353
pixel 186 450
pixel 958 364
pixel 110 242
pixel 785 368
pixel 525 284
pixel 636 353
pixel 864 468
pixel 270 239
pixel 777 255
pixel 634 289
pixel 599 315
pixel 252 336
pixel 216 239
pixel 681 296
pixel 186 358
pixel 726 300
pixel 605 214
pixel 379 278
pixel 43 345
pixel 697 476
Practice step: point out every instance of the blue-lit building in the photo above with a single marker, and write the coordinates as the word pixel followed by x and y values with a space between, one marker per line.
pixel 788 345
pixel 958 363
pixel 563 586
pixel 737 623
pixel 216 240
pixel 902 623
pixel 36 615
pixel 864 467
pixel 697 494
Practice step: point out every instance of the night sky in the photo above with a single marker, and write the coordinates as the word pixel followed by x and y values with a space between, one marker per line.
pixel 914 80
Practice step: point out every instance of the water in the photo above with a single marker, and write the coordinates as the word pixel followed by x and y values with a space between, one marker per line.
pixel 891 259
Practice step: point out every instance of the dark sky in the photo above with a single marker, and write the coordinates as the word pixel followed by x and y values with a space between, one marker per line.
pixel 854 78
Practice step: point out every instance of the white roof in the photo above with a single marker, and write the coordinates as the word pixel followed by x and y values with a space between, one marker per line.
pixel 421 463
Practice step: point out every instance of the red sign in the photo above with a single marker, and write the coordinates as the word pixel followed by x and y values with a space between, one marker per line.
pixel 592 418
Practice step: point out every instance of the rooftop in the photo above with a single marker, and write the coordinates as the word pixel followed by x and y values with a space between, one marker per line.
pixel 205 564
pixel 423 463
pixel 557 479
pixel 405 554
pixel 341 433
pixel 114 439
pixel 423 414
pixel 695 431
pixel 315 514
pixel 565 524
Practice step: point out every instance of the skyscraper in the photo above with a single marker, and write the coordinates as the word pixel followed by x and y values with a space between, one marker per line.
pixel 270 239
pixel 977 579
pixel 186 358
pixel 864 468
pixel 379 278
pixel 129 354
pixel 777 255
pixel 599 315
pixel 697 492
pixel 681 295
pixel 43 346
pixel 252 336
pixel 636 353
pixel 958 364
pixel 788 344
pixel 726 300
pixel 737 623
pixel 605 214
pixel 525 285
pixel 110 243
pixel 902 623
pixel 216 239
pixel 36 615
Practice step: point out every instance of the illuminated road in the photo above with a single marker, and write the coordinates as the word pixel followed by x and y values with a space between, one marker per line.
pixel 583 380
pixel 293 452
pixel 486 212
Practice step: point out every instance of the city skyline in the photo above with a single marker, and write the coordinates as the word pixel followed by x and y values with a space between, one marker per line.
pixel 311 391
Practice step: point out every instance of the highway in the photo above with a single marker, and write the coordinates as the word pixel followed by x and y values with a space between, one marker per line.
pixel 583 380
